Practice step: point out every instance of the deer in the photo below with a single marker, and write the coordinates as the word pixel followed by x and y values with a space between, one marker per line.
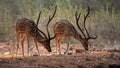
pixel 64 29
pixel 26 28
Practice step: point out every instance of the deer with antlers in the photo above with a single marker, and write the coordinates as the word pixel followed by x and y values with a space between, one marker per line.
pixel 26 28
pixel 64 28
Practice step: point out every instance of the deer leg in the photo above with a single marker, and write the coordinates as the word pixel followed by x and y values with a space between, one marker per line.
pixel 58 45
pixel 17 43
pixel 37 47
pixel 28 45
pixel 68 39
pixel 23 46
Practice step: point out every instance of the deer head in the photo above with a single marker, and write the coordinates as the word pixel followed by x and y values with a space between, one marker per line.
pixel 84 40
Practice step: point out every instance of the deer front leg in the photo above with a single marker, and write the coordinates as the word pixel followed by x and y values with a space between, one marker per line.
pixel 56 47
pixel 58 50
pixel 37 47
pixel 22 42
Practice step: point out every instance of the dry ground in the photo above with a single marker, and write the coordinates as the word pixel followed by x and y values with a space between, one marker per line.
pixel 77 58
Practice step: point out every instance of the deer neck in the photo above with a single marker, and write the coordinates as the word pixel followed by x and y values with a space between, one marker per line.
pixel 77 35
pixel 38 37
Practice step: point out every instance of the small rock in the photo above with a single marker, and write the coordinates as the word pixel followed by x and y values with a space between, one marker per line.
pixel 61 66
pixel 101 65
pixel 80 66
pixel 78 50
pixel 87 59
pixel 69 53
pixel 35 55
pixel 114 66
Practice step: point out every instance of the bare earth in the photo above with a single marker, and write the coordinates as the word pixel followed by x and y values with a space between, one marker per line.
pixel 77 58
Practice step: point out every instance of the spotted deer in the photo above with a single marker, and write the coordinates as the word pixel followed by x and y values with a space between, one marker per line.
pixel 64 28
pixel 26 28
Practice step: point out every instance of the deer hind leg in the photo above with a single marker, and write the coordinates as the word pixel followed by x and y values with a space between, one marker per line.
pixel 68 39
pixel 17 43
pixel 28 45
pixel 37 47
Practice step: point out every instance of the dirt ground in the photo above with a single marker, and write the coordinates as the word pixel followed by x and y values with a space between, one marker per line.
pixel 76 58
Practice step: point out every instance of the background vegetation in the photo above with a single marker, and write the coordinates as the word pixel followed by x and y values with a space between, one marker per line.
pixel 104 19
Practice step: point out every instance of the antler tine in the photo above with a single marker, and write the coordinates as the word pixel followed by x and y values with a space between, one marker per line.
pixel 50 18
pixel 42 32
pixel 52 37
pixel 85 17
pixel 77 16
pixel 77 19
pixel 37 25
pixel 38 18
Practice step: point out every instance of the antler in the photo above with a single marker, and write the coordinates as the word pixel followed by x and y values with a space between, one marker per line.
pixel 38 18
pixel 77 17
pixel 37 25
pixel 85 17
pixel 50 18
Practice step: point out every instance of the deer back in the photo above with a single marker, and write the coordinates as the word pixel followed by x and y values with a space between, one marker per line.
pixel 65 28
